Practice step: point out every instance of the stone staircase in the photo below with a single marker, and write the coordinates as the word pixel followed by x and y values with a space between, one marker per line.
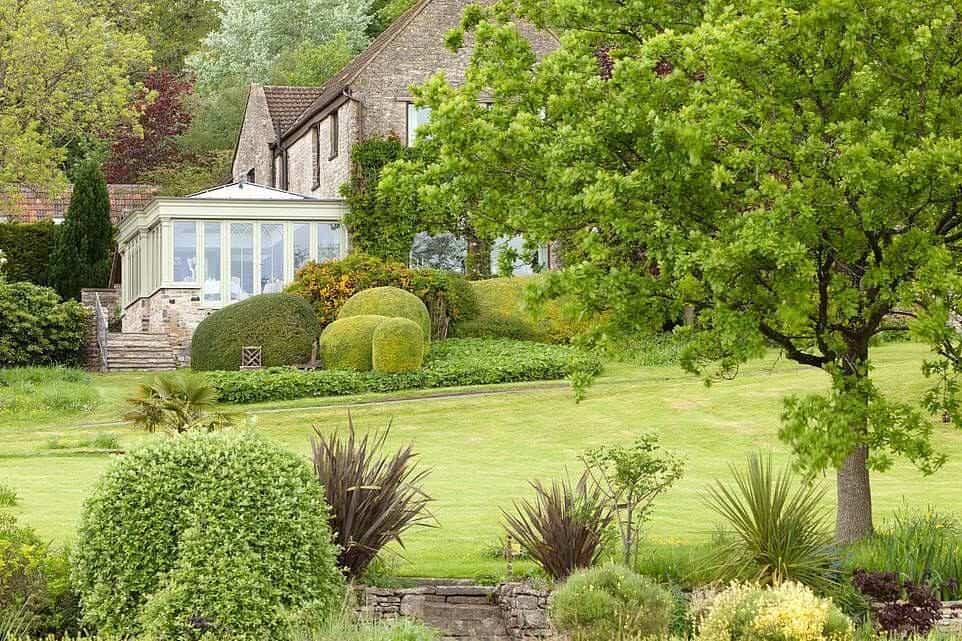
pixel 136 351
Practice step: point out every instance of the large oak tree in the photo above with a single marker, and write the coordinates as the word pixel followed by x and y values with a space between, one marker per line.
pixel 789 170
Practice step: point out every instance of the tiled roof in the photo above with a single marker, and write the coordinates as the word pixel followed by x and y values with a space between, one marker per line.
pixel 285 104
pixel 33 205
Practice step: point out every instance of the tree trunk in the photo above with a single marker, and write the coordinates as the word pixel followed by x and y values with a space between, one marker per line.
pixel 854 513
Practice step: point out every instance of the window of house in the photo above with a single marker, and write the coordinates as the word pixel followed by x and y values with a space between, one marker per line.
pixel 335 131
pixel 241 261
pixel 316 156
pixel 272 258
pixel 185 251
pixel 251 175
pixel 302 244
pixel 212 262
pixel 328 241
pixel 417 116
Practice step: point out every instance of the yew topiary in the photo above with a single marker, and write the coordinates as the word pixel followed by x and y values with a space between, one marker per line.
pixel 397 347
pixel 346 343
pixel 221 533
pixel 391 302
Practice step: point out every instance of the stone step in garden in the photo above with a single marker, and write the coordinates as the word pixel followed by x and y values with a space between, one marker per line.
pixel 139 352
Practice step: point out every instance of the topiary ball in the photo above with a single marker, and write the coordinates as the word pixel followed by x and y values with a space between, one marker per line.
pixel 221 531
pixel 346 343
pixel 392 302
pixel 283 325
pixel 398 346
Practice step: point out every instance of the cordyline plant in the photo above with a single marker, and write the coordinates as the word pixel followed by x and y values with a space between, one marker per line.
pixel 564 528
pixel 631 477
pixel 373 498
pixel 778 529
pixel 790 172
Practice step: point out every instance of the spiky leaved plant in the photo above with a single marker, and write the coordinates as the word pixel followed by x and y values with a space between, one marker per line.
pixel 564 528
pixel 374 498
pixel 778 529
pixel 177 403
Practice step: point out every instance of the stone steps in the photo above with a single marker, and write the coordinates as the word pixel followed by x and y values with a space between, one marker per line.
pixel 139 352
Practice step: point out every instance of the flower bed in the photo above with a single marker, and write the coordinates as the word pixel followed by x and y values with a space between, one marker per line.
pixel 451 363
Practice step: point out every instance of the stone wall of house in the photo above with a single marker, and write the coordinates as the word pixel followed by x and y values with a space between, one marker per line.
pixel 174 312
pixel 253 145
pixel 463 611
pixel 333 171
pixel 416 54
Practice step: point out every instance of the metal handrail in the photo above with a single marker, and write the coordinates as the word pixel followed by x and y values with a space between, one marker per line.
pixel 101 318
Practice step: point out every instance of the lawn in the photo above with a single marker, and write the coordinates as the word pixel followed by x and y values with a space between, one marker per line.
pixel 483 448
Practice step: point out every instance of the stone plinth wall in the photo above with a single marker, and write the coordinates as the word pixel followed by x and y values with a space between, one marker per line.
pixel 176 313
pixel 462 611
pixel 110 301
pixel 951 620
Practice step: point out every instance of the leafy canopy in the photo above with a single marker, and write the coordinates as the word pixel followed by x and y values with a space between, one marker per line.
pixel 790 171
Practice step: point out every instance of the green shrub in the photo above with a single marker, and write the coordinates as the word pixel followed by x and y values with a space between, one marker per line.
pixel 176 403
pixel 346 344
pixel 8 496
pixel 36 328
pixel 451 363
pixel 391 302
pixel 327 286
pixel 397 347
pixel 504 311
pixel 347 627
pixel 281 324
pixel 27 248
pixel 221 530
pixel 786 612
pixel 599 603
pixel 34 582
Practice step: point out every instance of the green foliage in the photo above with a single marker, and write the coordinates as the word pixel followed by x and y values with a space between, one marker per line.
pixel 924 547
pixel 731 160
pixel 8 496
pixel 346 627
pixel 36 328
pixel 507 308
pixel 779 528
pixel 27 248
pixel 632 477
pixel 312 64
pixel 786 612
pixel 81 254
pixel 377 228
pixel 346 344
pixel 598 604
pixel 216 529
pixel 451 363
pixel 283 325
pixel 175 403
pixel 34 583
pixel 189 177
pixel 392 302
pixel 564 528
pixel 679 564
pixel 374 497
pixel 327 286
pixel 33 393
pixel 397 346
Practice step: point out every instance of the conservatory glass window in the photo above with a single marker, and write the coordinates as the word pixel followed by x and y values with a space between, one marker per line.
pixel 328 241
pixel 185 252
pixel 302 244
pixel 272 258
pixel 241 261
pixel 212 262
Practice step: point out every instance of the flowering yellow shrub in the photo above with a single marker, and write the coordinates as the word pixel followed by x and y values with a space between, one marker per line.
pixel 787 612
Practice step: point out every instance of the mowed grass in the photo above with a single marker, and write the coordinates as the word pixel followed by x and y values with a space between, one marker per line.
pixel 483 450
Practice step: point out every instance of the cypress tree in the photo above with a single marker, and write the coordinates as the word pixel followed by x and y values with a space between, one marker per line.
pixel 82 251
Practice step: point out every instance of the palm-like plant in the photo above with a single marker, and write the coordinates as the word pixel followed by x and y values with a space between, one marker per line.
pixel 373 498
pixel 564 529
pixel 779 529
pixel 175 402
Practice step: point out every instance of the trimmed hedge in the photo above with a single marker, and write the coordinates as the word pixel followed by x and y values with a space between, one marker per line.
pixel 398 346
pixel 225 531
pixel 392 302
pixel 451 363
pixel 36 328
pixel 27 247
pixel 282 324
pixel 503 311
pixel 327 286
pixel 346 343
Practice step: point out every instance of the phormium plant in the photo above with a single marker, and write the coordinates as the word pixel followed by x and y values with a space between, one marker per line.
pixel 900 606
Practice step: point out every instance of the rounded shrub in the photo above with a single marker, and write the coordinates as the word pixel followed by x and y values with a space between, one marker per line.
pixel 786 612
pixel 600 603
pixel 283 325
pixel 392 302
pixel 219 533
pixel 346 343
pixel 37 328
pixel 397 346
